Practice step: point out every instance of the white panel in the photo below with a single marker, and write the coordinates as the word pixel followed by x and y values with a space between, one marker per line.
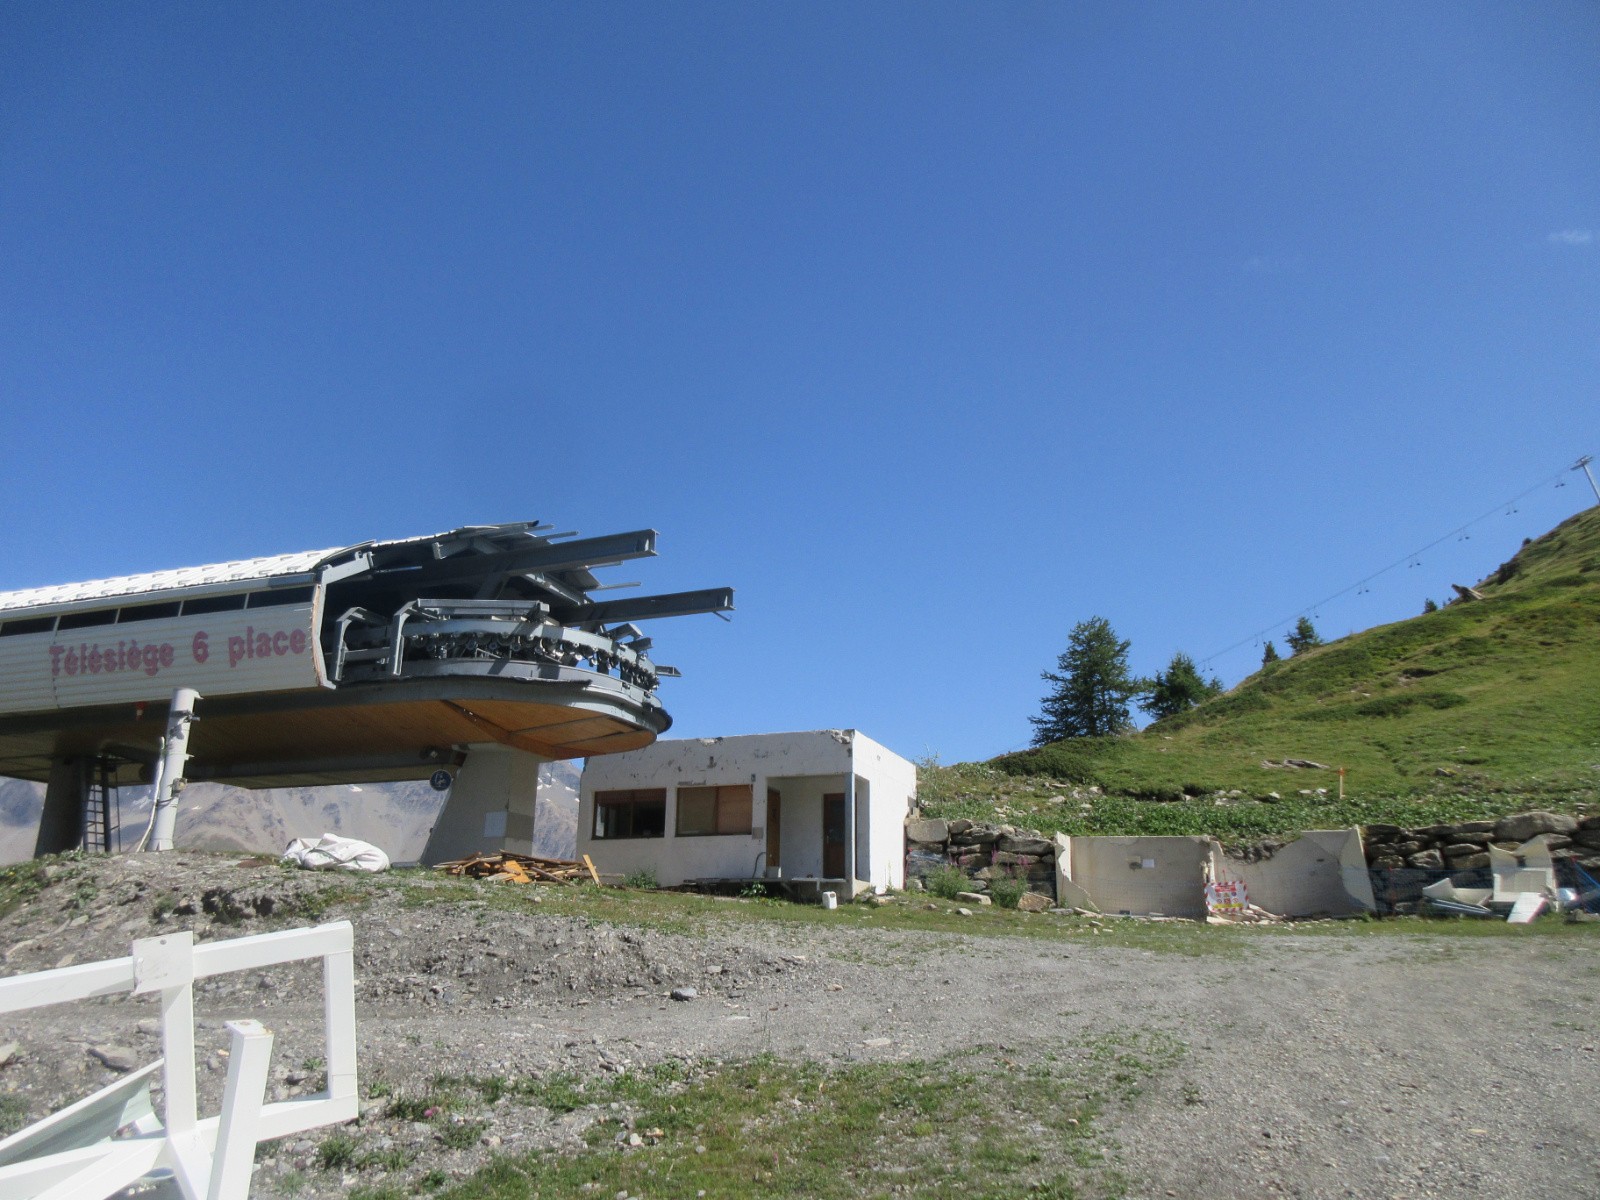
pixel 217 654
pixel 25 673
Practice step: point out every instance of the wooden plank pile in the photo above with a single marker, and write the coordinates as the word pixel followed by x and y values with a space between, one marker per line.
pixel 508 867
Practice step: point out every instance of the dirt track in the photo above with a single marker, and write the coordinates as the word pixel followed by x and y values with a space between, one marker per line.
pixel 1333 1063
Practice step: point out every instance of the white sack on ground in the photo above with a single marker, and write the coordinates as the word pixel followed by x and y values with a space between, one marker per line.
pixel 336 853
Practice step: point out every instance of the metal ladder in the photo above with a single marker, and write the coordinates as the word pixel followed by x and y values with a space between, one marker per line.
pixel 102 833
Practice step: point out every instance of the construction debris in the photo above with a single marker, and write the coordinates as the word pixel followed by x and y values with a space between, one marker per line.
pixel 1250 914
pixel 509 867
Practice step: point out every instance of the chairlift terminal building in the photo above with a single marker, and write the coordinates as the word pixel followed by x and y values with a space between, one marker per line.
pixel 818 810
pixel 484 649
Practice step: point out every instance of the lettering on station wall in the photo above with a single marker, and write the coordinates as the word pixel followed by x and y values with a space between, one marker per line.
pixel 151 658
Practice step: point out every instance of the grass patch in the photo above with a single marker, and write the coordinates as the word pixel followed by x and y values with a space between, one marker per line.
pixel 395 1159
pixel 1552 927
pixel 13 1114
pixel 987 793
pixel 973 1124
pixel 338 1152
pixel 697 915
pixel 461 1135
pixel 20 883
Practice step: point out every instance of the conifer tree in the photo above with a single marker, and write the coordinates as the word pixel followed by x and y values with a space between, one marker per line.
pixel 1178 688
pixel 1303 636
pixel 1090 689
pixel 1269 654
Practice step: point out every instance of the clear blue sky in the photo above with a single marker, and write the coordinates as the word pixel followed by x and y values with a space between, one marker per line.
pixel 933 329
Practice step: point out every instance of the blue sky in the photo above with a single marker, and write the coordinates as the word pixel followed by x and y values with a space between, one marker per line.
pixel 933 329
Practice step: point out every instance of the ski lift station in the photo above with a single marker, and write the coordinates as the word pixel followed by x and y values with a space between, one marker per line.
pixel 466 657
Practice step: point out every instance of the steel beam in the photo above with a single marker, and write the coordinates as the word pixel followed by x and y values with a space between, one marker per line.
pixel 351 765
pixel 642 608
pixel 586 552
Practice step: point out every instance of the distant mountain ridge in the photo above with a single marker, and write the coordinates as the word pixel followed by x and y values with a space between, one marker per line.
pixel 394 816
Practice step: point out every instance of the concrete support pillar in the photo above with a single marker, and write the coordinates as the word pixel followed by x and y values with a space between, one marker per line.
pixel 490 806
pixel 65 795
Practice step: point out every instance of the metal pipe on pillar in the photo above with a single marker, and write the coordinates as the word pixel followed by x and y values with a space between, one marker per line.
pixel 174 754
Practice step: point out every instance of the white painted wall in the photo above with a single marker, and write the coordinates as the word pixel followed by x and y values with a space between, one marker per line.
pixel 1322 872
pixel 881 856
pixel 1137 875
pixel 802 766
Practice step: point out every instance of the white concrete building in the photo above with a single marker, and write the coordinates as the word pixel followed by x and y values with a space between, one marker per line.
pixel 819 810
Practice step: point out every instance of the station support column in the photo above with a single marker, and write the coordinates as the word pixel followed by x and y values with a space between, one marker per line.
pixel 490 806
pixel 61 822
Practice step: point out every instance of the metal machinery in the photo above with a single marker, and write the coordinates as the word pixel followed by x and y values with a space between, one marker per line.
pixel 378 662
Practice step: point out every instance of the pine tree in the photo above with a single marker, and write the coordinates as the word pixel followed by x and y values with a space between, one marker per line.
pixel 1303 636
pixel 1091 687
pixel 1428 606
pixel 1269 654
pixel 1178 688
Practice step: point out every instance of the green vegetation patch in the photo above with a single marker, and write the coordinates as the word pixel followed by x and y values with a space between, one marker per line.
pixel 20 883
pixel 982 792
pixel 1497 699
pixel 974 1124
pixel 697 915
pixel 13 1114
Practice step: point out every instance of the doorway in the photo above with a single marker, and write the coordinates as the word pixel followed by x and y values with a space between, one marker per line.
pixel 835 829
pixel 774 819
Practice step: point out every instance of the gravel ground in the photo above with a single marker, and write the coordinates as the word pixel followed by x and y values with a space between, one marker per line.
pixel 1331 1063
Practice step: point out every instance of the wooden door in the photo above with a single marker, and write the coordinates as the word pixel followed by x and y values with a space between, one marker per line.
pixel 774 819
pixel 834 831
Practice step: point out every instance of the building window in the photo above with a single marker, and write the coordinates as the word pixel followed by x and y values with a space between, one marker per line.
pixel 711 810
pixel 636 813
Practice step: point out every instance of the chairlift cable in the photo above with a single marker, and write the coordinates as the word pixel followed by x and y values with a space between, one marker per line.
pixel 1413 559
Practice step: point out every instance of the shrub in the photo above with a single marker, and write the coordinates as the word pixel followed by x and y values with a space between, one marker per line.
pixel 946 881
pixel 644 879
pixel 1006 890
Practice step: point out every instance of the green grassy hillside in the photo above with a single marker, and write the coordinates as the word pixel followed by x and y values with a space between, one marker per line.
pixel 1484 705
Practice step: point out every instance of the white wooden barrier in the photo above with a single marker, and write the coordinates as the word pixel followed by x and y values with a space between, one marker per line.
pixel 65 1156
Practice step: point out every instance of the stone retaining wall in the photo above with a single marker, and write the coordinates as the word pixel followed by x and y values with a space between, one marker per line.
pixel 1465 846
pixel 982 851
pixel 1400 860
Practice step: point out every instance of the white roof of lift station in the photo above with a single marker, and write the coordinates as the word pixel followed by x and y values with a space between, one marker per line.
pixel 184 579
